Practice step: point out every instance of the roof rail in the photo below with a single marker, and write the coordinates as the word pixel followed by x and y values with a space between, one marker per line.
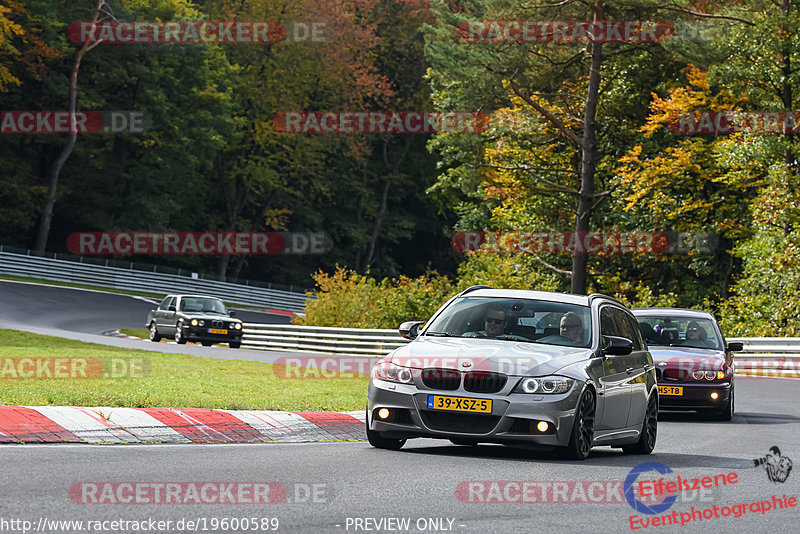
pixel 473 288
pixel 594 296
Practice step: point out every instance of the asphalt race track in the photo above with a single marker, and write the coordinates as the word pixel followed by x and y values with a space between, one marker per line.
pixel 355 481
pixel 87 315
pixel 351 487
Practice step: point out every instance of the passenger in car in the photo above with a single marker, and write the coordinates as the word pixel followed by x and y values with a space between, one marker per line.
pixel 571 327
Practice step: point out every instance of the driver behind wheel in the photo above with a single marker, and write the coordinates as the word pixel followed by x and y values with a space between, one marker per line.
pixel 494 324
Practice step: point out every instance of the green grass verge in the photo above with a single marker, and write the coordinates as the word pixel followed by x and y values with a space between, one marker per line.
pixel 153 379
pixel 136 332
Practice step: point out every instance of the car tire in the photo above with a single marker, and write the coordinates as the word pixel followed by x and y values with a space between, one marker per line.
pixel 235 344
pixel 465 442
pixel 582 436
pixel 649 433
pixel 206 343
pixel 179 339
pixel 154 336
pixel 727 413
pixel 379 442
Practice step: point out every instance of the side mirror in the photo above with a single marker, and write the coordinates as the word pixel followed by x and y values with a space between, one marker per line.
pixel 735 346
pixel 171 308
pixel 617 346
pixel 232 313
pixel 410 329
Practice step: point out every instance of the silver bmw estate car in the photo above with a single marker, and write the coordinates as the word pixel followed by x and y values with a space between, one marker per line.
pixel 519 367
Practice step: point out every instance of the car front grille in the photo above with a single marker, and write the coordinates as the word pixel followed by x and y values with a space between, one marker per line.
pixel 459 422
pixel 483 382
pixel 445 379
pixel 675 375
pixel 217 324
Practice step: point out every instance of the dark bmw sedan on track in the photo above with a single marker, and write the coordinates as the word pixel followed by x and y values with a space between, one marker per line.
pixel 520 368
pixel 194 318
pixel 694 365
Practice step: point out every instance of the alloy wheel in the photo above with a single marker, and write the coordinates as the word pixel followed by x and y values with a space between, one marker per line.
pixel 586 423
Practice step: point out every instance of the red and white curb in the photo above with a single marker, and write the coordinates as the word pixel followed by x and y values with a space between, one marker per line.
pixel 104 425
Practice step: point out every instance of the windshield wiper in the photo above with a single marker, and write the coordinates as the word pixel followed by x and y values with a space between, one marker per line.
pixel 506 337
pixel 441 334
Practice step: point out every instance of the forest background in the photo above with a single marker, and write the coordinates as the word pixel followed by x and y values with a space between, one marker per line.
pixel 579 139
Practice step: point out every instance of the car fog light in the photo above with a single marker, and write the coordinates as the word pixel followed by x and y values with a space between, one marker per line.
pixel 194 322
pixel 383 413
pixel 542 426
pixel 714 396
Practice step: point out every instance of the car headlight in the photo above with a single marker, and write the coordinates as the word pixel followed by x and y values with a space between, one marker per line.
pixel 708 375
pixel 194 322
pixel 237 326
pixel 548 385
pixel 391 372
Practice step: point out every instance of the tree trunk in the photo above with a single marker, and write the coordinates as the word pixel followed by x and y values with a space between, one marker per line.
pixel 55 170
pixel 233 209
pixel 588 163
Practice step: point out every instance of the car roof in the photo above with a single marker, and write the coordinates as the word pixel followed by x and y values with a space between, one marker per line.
pixel 552 296
pixel 195 296
pixel 673 312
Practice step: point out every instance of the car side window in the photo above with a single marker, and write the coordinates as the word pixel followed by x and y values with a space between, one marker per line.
pixel 608 326
pixel 171 302
pixel 629 327
pixel 164 304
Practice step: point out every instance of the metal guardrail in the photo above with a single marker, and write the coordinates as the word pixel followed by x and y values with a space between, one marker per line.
pixel 763 356
pixel 322 339
pixel 768 356
pixel 151 282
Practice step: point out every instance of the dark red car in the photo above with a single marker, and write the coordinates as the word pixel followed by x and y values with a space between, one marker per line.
pixel 694 364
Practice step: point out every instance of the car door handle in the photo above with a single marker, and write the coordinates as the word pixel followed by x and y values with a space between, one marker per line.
pixel 629 370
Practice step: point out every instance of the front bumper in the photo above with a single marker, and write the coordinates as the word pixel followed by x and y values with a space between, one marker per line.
pixel 201 333
pixel 696 396
pixel 513 418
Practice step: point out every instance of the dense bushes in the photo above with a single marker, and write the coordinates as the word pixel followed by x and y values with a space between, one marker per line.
pixel 348 299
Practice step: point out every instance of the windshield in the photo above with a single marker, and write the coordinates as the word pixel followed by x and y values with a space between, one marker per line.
pixel 539 321
pixel 679 331
pixel 203 305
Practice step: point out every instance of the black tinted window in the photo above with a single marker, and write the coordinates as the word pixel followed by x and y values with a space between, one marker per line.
pixel 628 327
pixel 608 326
